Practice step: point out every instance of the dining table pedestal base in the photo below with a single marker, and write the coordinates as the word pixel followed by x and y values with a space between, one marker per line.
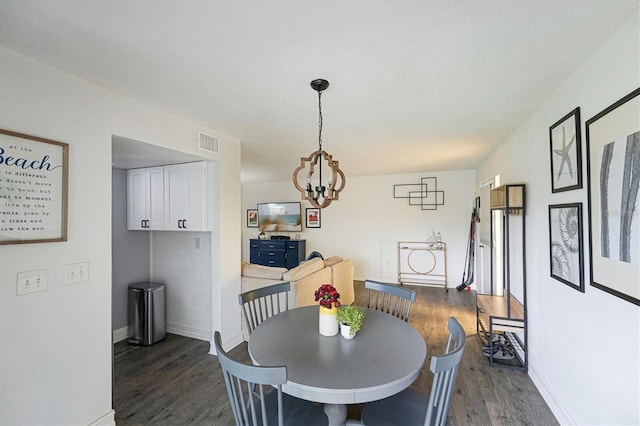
pixel 337 414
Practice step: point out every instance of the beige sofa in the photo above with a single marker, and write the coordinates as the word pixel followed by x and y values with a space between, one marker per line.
pixel 305 279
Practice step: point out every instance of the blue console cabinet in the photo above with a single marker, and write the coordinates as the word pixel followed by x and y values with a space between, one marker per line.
pixel 281 253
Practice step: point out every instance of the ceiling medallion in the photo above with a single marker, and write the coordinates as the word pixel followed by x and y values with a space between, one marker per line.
pixel 320 195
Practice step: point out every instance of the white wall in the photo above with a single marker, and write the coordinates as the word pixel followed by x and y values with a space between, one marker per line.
pixel 584 348
pixel 367 223
pixel 56 356
pixel 130 251
pixel 184 266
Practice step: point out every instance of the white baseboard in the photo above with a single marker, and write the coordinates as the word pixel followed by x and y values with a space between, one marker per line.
pixel 555 404
pixel 121 334
pixel 194 333
pixel 227 344
pixel 109 419
pixel 125 332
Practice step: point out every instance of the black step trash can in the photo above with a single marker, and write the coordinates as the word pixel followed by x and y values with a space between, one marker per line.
pixel 147 312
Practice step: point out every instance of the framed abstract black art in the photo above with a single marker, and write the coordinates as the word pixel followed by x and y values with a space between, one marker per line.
pixel 613 147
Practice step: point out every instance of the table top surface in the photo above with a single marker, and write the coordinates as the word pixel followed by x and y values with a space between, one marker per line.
pixel 384 357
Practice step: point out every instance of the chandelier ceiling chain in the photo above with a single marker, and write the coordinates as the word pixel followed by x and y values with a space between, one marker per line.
pixel 320 195
pixel 320 120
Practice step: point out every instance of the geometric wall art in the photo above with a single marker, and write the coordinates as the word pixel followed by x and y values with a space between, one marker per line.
pixel 424 194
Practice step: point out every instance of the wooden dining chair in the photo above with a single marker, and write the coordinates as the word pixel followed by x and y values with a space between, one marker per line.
pixel 263 303
pixel 256 397
pixel 390 298
pixel 411 407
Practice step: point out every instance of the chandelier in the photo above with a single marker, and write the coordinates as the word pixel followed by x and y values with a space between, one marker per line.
pixel 319 194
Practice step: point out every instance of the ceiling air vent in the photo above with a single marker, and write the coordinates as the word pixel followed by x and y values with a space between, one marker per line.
pixel 208 143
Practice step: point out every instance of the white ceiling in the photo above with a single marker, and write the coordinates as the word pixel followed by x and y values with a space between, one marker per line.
pixel 415 85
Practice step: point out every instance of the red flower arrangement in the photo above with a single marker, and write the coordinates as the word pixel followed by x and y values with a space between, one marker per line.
pixel 327 295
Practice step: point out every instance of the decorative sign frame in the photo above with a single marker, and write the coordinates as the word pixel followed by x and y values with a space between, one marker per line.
pixel 613 167
pixel 34 188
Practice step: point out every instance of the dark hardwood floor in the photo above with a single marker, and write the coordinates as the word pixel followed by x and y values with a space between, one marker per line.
pixel 176 381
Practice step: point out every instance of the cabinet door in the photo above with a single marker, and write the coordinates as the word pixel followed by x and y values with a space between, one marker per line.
pixel 156 197
pixel 184 195
pixel 145 204
pixel 137 206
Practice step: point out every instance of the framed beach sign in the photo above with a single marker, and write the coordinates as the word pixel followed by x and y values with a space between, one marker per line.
pixel 565 244
pixel 566 153
pixel 34 179
pixel 613 146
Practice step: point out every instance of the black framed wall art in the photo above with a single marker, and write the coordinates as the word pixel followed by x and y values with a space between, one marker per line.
pixel 613 167
pixel 252 218
pixel 34 185
pixel 565 244
pixel 566 153
pixel 313 218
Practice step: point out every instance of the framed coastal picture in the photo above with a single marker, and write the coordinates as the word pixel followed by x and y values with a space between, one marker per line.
pixel 613 167
pixel 565 244
pixel 313 218
pixel 252 218
pixel 566 153
pixel 34 182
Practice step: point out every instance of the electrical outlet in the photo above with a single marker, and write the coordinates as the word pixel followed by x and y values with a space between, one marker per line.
pixel 76 273
pixel 32 281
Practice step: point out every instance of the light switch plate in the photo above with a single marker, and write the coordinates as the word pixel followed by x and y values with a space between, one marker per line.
pixel 32 281
pixel 76 273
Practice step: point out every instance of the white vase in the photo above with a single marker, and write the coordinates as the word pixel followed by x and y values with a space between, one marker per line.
pixel 345 330
pixel 328 321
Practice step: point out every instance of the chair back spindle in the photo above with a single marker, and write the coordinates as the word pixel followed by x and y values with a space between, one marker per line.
pixel 247 388
pixel 263 303
pixel 390 298
pixel 445 371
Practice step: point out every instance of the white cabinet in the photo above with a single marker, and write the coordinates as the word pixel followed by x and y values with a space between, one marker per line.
pixel 184 196
pixel 145 198
pixel 167 198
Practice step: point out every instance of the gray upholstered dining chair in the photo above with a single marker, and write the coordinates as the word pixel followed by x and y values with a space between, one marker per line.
pixel 263 303
pixel 411 407
pixel 256 397
pixel 390 298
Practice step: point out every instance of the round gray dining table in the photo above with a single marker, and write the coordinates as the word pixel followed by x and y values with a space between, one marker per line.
pixel 384 358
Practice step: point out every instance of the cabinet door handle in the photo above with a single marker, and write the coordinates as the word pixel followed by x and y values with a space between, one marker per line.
pixel 184 223
pixel 142 223
pixel 179 224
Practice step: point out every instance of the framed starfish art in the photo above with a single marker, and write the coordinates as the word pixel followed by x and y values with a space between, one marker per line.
pixel 566 153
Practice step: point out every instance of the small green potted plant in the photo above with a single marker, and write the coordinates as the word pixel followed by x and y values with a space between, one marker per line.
pixel 350 319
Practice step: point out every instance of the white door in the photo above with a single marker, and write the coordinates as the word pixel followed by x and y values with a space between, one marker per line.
pixel 488 243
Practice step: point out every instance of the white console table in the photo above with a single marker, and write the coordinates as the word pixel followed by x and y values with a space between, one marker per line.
pixel 423 263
